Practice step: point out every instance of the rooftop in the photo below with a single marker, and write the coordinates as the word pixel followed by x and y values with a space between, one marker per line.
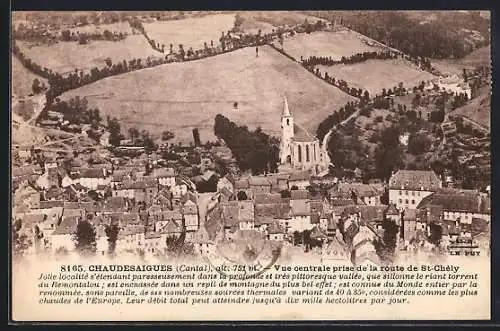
pixel 415 180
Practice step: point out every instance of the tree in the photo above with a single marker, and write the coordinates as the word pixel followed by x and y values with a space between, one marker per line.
pixel 112 231
pixel 386 247
pixel 241 195
pixel 115 131
pixel 85 238
pixel 19 240
pixel 36 86
pixel 167 135
pixel 436 233
pixel 196 137
pixel 134 134
pixel 285 194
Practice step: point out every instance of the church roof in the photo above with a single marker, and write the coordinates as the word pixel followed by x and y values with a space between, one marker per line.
pixel 286 111
pixel 301 134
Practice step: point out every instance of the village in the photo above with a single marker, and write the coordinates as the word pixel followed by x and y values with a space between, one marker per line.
pixel 199 202
pixel 88 188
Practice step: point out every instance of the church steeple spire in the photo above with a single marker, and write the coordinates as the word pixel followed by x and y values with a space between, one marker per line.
pixel 286 111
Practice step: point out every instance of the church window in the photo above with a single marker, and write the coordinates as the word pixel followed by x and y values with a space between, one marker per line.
pixel 307 153
pixel 299 157
pixel 287 121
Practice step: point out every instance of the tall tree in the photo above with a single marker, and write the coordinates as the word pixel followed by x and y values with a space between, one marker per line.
pixel 112 231
pixel 85 238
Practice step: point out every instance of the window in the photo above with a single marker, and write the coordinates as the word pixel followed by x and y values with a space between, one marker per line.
pixel 299 153
pixel 400 192
pixel 406 192
pixel 406 201
pixel 400 201
pixel 413 193
pixel 412 202
pixel 287 121
pixel 418 193
pixel 307 153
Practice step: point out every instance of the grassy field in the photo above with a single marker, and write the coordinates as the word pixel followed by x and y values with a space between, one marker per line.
pixel 66 56
pixel 480 57
pixel 190 32
pixel 22 79
pixel 268 20
pixel 181 96
pixel 374 75
pixel 334 44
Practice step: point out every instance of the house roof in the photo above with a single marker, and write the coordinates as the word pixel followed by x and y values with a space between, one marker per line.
pixel 71 205
pixel 92 173
pixel 392 210
pixel 410 214
pixel 201 236
pixel 302 135
pixel 360 189
pixel 246 211
pixel 51 204
pixel 163 172
pixel 67 226
pixel 299 176
pixel 230 212
pixel 300 208
pixel 318 234
pixel 415 180
pixel 274 228
pixel 279 210
pixel 172 227
pixel 266 198
pixel 32 218
pixel 299 194
pixel 259 181
pixel 131 230
pixel 368 213
pixel 241 184
pixel 72 212
pixel 455 201
pixel 190 208
pixel 116 202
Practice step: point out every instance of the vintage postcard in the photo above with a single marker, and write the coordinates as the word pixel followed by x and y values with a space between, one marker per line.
pixel 244 165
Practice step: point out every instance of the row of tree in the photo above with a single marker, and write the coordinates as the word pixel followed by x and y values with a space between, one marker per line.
pixel 85 38
pixel 335 118
pixel 253 150
pixel 355 58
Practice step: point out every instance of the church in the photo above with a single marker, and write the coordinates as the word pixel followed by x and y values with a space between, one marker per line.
pixel 299 150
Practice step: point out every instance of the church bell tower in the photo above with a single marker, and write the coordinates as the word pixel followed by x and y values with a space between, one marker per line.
pixel 286 134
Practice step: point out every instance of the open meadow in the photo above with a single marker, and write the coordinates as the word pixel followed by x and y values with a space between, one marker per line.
pixel 22 79
pixel 65 57
pixel 480 57
pixel 374 75
pixel 182 96
pixel 266 21
pixel 190 32
pixel 329 44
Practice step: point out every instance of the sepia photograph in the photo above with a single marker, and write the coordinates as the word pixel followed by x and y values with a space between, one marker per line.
pixel 250 165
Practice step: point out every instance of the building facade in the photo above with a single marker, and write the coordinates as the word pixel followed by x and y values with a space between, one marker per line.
pixel 299 149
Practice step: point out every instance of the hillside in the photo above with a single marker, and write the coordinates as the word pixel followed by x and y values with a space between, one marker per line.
pixel 190 32
pixel 480 57
pixel 478 109
pixel 181 96
pixel 433 34
pixel 374 75
pixel 22 79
